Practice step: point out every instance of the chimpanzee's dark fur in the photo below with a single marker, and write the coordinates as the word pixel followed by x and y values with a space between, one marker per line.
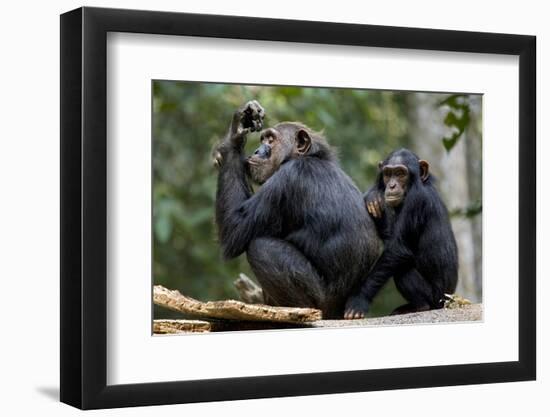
pixel 420 250
pixel 306 233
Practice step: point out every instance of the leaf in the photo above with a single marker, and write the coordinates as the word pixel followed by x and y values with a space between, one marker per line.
pixel 449 143
pixel 457 118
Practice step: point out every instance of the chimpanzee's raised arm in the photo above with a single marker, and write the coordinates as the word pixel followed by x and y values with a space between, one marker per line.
pixel 239 213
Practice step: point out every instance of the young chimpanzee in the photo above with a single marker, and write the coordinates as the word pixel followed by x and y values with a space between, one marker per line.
pixel 306 233
pixel 419 245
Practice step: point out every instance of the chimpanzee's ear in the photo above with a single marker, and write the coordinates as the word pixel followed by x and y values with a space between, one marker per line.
pixel 303 141
pixel 424 170
pixel 380 165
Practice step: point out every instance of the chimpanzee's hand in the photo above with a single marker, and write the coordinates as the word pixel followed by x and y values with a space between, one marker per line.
pixel 374 201
pixel 356 307
pixel 249 118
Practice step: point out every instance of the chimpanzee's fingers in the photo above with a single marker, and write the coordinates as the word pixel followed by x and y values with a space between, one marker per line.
pixel 348 315
pixel 369 207
pixel 256 125
pixel 378 212
pixel 218 159
pixel 373 209
pixel 258 108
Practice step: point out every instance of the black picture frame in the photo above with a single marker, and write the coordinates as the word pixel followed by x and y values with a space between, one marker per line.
pixel 84 207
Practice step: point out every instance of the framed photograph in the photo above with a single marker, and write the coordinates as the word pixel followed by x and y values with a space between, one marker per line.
pixel 257 208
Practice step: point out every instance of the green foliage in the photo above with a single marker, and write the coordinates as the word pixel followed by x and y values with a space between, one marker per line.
pixel 457 118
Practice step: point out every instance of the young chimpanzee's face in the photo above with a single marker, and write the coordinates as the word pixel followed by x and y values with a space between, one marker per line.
pixel 277 145
pixel 396 180
pixel 399 172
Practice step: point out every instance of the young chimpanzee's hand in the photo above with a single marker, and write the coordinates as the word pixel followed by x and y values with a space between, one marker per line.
pixel 356 307
pixel 374 201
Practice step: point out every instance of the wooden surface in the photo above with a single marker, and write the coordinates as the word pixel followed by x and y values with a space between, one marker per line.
pixel 180 326
pixel 231 309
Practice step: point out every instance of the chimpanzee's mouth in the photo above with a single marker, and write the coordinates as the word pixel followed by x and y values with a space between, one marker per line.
pixel 254 161
pixel 391 197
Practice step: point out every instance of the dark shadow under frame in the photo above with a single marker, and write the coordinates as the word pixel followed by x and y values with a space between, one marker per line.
pixel 84 207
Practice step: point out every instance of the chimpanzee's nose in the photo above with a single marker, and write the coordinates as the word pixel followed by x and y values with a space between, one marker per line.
pixel 264 151
pixel 391 185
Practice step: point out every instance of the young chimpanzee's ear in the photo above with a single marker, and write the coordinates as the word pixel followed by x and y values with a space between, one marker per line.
pixel 303 142
pixel 424 170
pixel 380 165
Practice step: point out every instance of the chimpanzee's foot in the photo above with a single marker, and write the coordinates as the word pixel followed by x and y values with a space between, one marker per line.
pixel 409 308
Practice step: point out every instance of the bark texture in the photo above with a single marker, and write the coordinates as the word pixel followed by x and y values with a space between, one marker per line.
pixel 231 309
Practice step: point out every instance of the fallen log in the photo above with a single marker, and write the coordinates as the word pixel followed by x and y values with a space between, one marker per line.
pixel 180 326
pixel 231 309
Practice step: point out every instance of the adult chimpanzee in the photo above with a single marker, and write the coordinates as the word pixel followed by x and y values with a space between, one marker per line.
pixel 306 233
pixel 419 245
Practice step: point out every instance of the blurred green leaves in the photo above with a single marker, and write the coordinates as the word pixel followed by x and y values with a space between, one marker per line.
pixel 457 118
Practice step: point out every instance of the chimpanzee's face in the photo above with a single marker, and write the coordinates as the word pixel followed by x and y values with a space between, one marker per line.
pixel 396 180
pixel 402 170
pixel 277 145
